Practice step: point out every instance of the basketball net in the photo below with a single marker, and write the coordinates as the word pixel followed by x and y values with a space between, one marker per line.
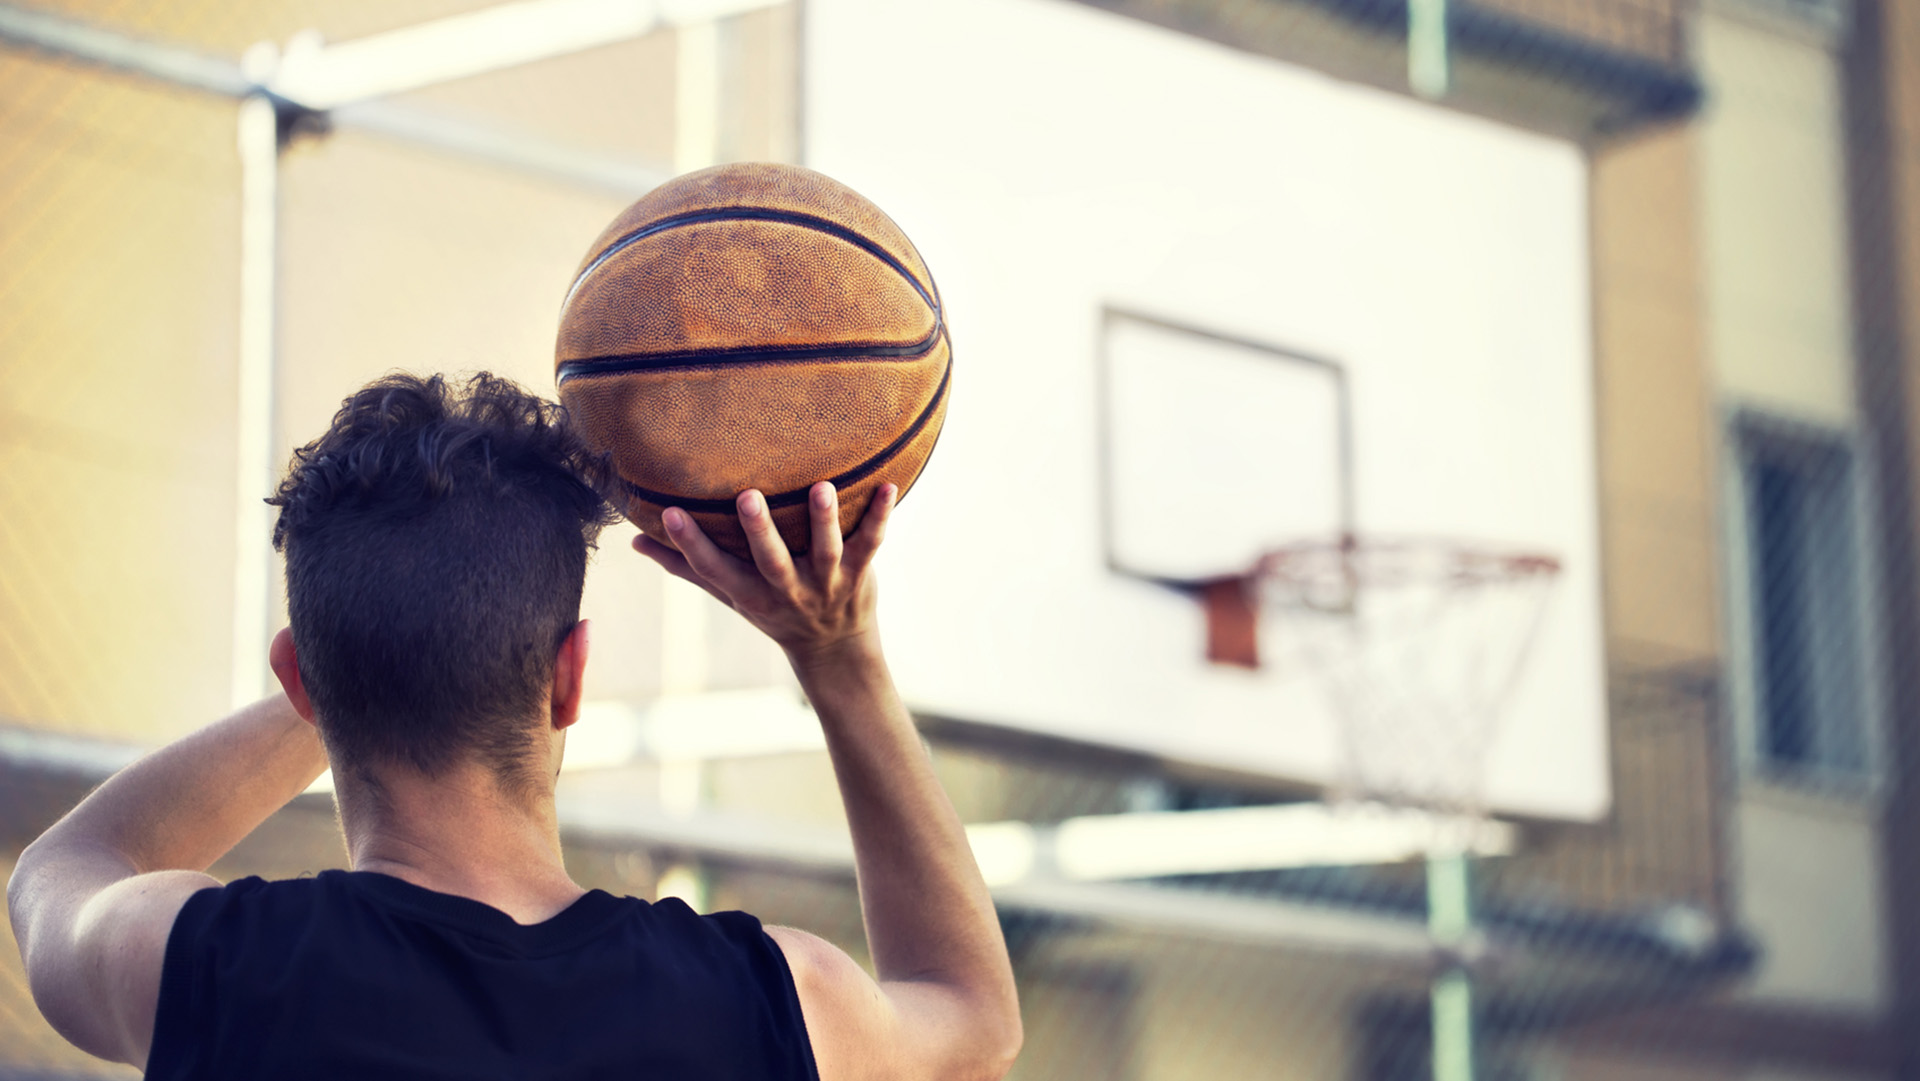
pixel 1417 646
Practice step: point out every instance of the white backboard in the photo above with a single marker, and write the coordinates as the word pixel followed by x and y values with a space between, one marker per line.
pixel 1201 300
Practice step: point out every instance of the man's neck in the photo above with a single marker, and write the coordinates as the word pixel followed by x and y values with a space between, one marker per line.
pixel 460 834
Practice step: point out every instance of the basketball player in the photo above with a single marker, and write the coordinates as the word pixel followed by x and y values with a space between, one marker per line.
pixel 436 541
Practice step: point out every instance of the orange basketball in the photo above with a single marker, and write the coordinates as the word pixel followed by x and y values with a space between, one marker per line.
pixel 754 326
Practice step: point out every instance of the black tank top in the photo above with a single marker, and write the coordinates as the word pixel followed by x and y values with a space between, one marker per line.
pixel 351 975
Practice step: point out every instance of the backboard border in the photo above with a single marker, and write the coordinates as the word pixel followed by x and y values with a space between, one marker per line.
pixel 1112 315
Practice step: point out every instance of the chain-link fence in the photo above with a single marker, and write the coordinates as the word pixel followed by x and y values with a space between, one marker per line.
pixel 1744 904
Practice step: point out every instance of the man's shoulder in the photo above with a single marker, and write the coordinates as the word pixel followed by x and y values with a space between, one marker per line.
pixel 254 893
pixel 344 907
pixel 242 915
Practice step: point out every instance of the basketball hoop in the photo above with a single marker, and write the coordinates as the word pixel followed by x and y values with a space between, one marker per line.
pixel 1417 645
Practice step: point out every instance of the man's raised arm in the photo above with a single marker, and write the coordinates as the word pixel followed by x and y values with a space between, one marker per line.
pixel 944 1004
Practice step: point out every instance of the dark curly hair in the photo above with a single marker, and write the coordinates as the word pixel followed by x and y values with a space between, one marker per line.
pixel 436 539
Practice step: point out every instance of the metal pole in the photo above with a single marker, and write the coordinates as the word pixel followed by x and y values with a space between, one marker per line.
pixel 1427 62
pixel 1450 922
pixel 63 37
pixel 259 145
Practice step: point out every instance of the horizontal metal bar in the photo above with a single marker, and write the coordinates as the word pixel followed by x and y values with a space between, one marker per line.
pixel 1226 918
pixel 40 751
pixel 493 146
pixel 328 76
pixel 761 841
pixel 68 38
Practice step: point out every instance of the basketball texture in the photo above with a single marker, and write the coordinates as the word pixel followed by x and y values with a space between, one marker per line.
pixel 754 326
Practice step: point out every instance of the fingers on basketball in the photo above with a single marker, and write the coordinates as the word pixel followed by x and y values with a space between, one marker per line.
pixel 764 542
pixel 824 508
pixel 725 575
pixel 675 564
pixel 860 547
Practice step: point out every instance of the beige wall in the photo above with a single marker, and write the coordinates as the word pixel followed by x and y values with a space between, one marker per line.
pixel 1773 218
pixel 1655 403
pixel 1812 891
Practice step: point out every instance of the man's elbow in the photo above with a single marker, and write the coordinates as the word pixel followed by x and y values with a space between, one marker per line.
pixel 24 912
pixel 37 876
pixel 998 1035
pixel 1007 1048
pixel 20 894
pixel 42 977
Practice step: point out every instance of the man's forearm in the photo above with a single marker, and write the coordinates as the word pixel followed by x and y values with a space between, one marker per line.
pixel 183 806
pixel 928 913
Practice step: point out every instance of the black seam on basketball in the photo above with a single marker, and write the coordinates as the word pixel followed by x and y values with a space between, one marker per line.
pixel 752 213
pixel 799 495
pixel 746 356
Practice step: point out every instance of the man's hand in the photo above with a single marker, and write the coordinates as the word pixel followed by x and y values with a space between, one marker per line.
pixel 944 1005
pixel 814 608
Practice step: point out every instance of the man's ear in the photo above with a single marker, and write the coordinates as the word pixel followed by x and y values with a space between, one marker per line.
pixel 287 668
pixel 570 676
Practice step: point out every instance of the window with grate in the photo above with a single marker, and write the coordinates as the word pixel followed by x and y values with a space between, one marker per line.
pixel 1802 602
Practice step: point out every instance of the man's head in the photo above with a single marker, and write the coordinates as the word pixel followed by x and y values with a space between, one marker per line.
pixel 436 539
